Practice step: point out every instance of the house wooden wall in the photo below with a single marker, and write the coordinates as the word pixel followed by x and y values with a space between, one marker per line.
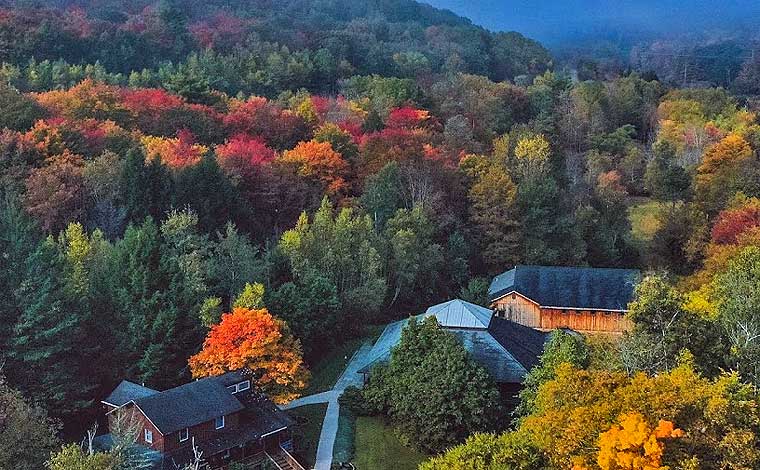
pixel 202 432
pixel 521 310
pixel 144 423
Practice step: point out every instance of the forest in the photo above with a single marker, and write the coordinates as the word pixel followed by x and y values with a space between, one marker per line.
pixel 318 166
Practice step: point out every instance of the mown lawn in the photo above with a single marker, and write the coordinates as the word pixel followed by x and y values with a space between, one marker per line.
pixel 378 448
pixel 306 436
pixel 325 373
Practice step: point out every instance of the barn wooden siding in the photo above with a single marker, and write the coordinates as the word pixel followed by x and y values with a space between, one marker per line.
pixel 521 310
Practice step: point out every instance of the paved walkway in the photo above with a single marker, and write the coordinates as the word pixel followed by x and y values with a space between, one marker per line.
pixel 349 377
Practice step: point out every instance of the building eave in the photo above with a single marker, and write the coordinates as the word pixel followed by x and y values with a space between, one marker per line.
pixel 141 412
pixel 615 310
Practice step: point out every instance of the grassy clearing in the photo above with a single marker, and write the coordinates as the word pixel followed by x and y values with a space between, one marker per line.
pixel 326 372
pixel 344 439
pixel 378 448
pixel 644 217
pixel 306 438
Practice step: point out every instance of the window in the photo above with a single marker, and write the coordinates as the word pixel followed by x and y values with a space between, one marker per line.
pixel 184 435
pixel 148 436
pixel 239 387
pixel 219 422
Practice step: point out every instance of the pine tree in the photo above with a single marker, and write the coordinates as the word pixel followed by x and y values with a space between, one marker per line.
pixel 17 241
pixel 46 347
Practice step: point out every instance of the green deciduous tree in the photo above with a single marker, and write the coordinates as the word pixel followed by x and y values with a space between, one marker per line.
pixel 416 261
pixel 663 330
pixel 342 248
pixel 738 305
pixel 27 434
pixel 508 451
pixel 562 347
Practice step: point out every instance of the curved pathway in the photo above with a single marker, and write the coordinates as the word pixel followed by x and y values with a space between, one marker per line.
pixel 350 376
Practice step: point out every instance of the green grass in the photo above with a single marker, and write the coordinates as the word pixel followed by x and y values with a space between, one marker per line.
pixel 306 438
pixel 326 371
pixel 378 448
pixel 343 451
pixel 644 217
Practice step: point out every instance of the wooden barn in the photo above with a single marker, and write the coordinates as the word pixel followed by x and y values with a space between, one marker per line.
pixel 587 300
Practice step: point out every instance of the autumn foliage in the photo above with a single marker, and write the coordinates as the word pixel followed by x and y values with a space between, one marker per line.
pixel 179 152
pixel 407 118
pixel 54 192
pixel 734 222
pixel 634 445
pixel 258 342
pixel 320 161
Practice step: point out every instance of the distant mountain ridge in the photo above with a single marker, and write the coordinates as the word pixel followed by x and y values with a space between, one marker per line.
pixel 390 37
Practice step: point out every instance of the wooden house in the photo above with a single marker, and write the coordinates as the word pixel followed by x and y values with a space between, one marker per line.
pixel 222 417
pixel 587 300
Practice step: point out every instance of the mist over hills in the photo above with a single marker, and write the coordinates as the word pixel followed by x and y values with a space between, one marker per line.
pixel 554 22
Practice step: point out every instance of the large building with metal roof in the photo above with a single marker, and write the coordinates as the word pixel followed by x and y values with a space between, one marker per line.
pixel 505 349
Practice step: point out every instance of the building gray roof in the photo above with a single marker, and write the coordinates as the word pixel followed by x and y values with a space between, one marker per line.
pixel 526 344
pixel 505 358
pixel 127 391
pixel 569 287
pixel 188 405
pixel 460 314
pixel 489 353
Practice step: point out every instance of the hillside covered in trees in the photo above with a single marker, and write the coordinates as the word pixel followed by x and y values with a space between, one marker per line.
pixel 315 167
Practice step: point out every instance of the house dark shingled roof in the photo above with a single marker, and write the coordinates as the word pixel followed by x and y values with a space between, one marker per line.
pixel 126 392
pixel 572 288
pixel 187 405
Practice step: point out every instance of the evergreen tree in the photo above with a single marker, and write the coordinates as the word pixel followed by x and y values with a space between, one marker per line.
pixel 146 189
pixel 426 370
pixel 46 354
pixel 18 239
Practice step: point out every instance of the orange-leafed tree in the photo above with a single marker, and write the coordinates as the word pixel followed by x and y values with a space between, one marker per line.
pixel 176 153
pixel 318 160
pixel 634 445
pixel 258 343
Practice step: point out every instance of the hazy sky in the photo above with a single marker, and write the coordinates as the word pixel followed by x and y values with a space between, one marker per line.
pixel 549 20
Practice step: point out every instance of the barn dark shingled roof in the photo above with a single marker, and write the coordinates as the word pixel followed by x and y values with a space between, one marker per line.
pixel 565 287
pixel 187 405
pixel 126 392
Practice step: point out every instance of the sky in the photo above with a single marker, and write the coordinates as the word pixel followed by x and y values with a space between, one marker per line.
pixel 552 21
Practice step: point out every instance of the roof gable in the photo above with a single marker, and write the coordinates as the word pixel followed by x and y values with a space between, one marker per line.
pixel 460 314
pixel 127 391
pixel 188 405
pixel 569 287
